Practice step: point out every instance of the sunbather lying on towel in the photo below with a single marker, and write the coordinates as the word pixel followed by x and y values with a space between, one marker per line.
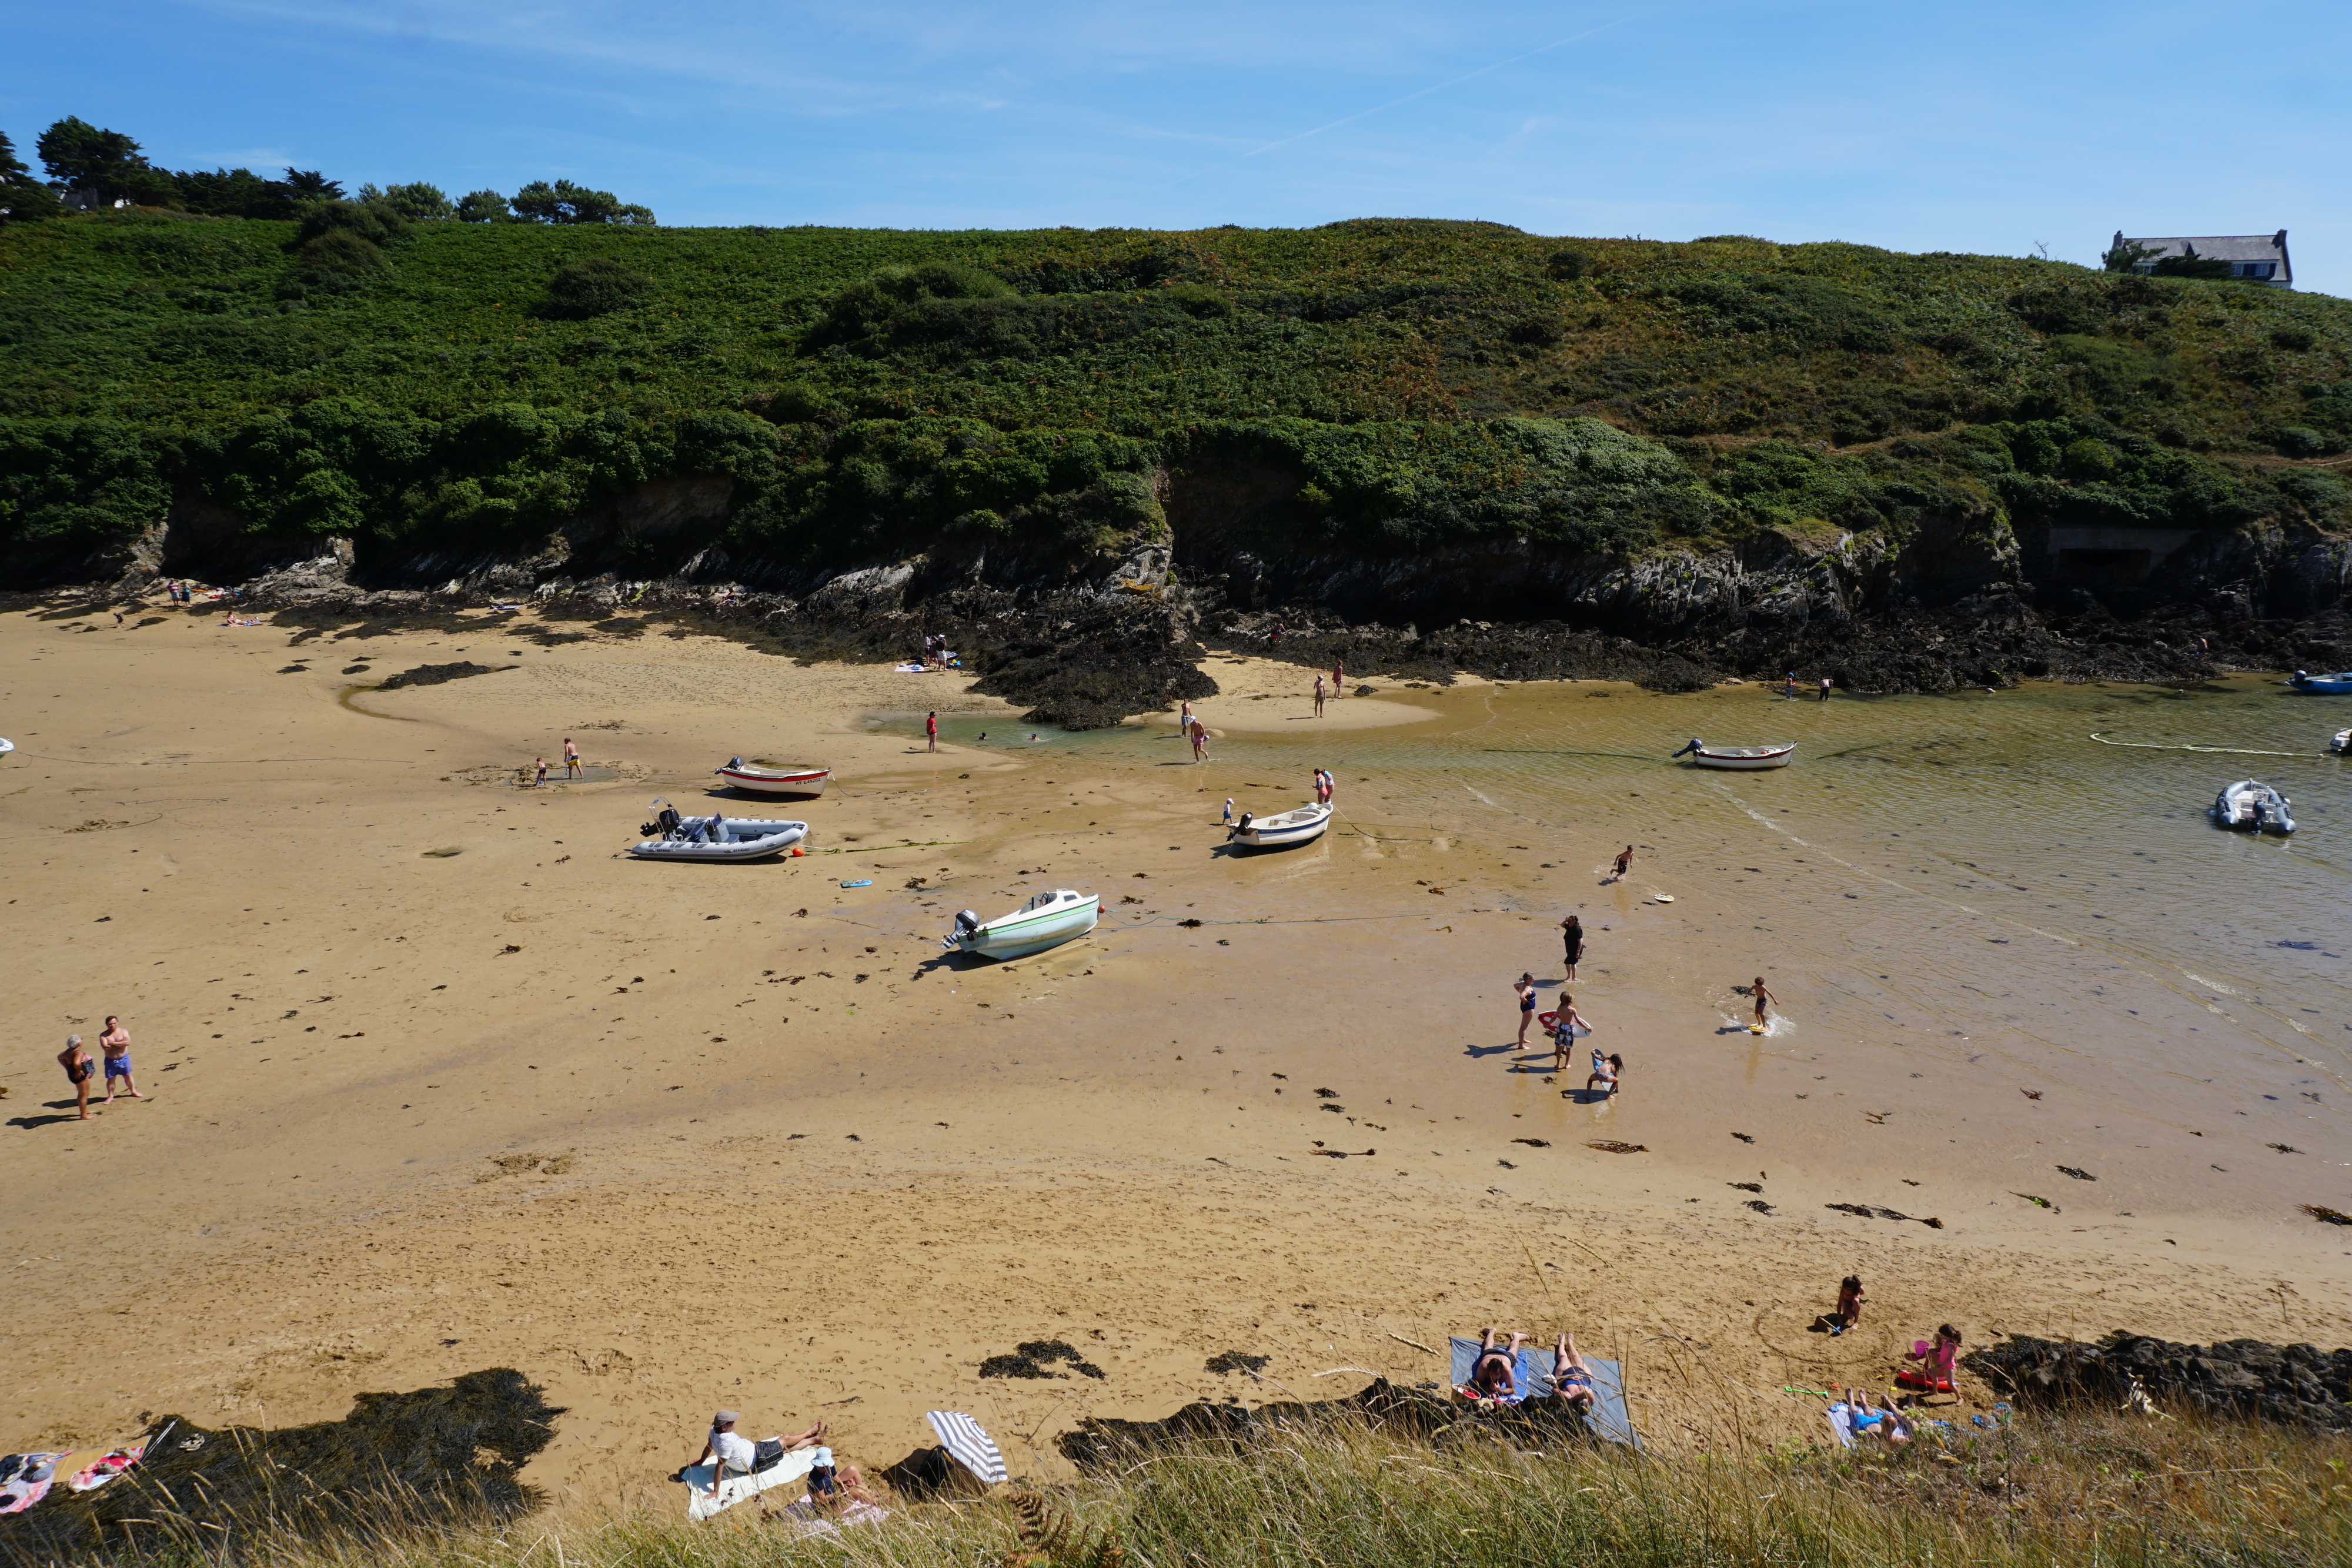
pixel 1496 1373
pixel 1889 1425
pixel 1570 1378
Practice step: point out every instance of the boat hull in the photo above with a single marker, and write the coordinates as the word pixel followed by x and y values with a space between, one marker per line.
pixel 1023 932
pixel 1285 831
pixel 754 779
pixel 1744 759
pixel 2342 744
pixel 749 839
pixel 2336 685
pixel 2251 806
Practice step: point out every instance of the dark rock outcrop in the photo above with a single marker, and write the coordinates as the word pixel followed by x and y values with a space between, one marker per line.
pixel 2291 1385
pixel 1102 1443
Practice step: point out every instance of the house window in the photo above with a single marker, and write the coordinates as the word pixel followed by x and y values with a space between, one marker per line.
pixel 2256 268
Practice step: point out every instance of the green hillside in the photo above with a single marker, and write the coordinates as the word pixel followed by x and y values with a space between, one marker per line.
pixel 872 392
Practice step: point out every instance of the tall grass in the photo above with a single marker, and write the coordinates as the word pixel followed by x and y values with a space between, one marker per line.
pixel 2073 1492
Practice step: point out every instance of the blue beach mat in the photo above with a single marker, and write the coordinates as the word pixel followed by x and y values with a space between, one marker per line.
pixel 1608 1419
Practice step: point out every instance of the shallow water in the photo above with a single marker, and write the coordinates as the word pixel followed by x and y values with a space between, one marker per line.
pixel 1974 868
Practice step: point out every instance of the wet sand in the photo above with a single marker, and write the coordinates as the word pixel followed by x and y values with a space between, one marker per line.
pixel 667 1137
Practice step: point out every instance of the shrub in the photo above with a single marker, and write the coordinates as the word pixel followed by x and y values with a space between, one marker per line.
pixel 2294 340
pixel 342 251
pixel 596 287
pixel 373 221
pixel 419 202
pixel 2295 441
pixel 1568 265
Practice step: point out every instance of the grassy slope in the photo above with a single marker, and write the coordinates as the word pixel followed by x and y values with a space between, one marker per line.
pixel 1394 365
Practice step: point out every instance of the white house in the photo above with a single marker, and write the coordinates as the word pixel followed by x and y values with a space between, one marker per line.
pixel 2257 257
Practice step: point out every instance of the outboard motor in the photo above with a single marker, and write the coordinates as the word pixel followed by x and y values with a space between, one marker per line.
pixel 1243 826
pixel 732 762
pixel 966 922
pixel 669 822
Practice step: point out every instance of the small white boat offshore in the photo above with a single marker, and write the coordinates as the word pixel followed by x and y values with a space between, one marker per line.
pixel 1046 921
pixel 1281 830
pixel 762 776
pixel 715 837
pixel 2341 744
pixel 1739 759
pixel 2255 806
pixel 2338 685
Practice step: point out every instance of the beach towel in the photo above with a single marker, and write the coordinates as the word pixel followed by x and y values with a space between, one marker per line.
pixel 788 1470
pixel 1842 1423
pixel 106 1468
pixel 968 1445
pixel 30 1476
pixel 1608 1419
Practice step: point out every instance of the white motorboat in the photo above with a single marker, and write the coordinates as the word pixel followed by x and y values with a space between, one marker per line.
pixel 1739 759
pixel 2341 744
pixel 715 837
pixel 762 776
pixel 1045 921
pixel 2255 806
pixel 1284 829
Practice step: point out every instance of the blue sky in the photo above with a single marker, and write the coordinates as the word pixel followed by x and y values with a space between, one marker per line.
pixel 1990 126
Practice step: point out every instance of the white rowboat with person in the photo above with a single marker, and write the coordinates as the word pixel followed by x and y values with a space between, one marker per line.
pixel 2253 805
pixel 762 776
pixel 1046 921
pixel 1284 829
pixel 1739 759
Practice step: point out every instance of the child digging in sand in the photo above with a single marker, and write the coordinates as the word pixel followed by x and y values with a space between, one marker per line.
pixel 1849 1307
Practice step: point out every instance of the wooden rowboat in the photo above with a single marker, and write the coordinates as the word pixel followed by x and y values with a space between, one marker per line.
pixel 760 776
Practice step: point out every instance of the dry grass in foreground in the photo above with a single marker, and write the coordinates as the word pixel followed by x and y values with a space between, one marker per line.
pixel 2049 1492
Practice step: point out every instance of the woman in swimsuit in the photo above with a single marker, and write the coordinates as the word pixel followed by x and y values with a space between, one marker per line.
pixel 79 1069
pixel 1605 1069
pixel 1526 987
pixel 1570 1378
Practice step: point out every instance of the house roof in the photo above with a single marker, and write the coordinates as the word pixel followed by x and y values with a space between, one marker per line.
pixel 2218 248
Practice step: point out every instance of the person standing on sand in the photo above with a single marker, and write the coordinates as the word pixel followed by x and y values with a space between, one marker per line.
pixel 1338 680
pixel 1524 989
pixel 1825 688
pixel 79 1070
pixel 1319 696
pixel 541 777
pixel 1764 999
pixel 931 732
pixel 115 1043
pixel 1565 1022
pixel 1625 864
pixel 571 758
pixel 1200 738
pixel 1571 937
pixel 1229 812
pixel 1185 717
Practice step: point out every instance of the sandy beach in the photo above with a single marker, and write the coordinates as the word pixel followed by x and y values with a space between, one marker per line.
pixel 667 1137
